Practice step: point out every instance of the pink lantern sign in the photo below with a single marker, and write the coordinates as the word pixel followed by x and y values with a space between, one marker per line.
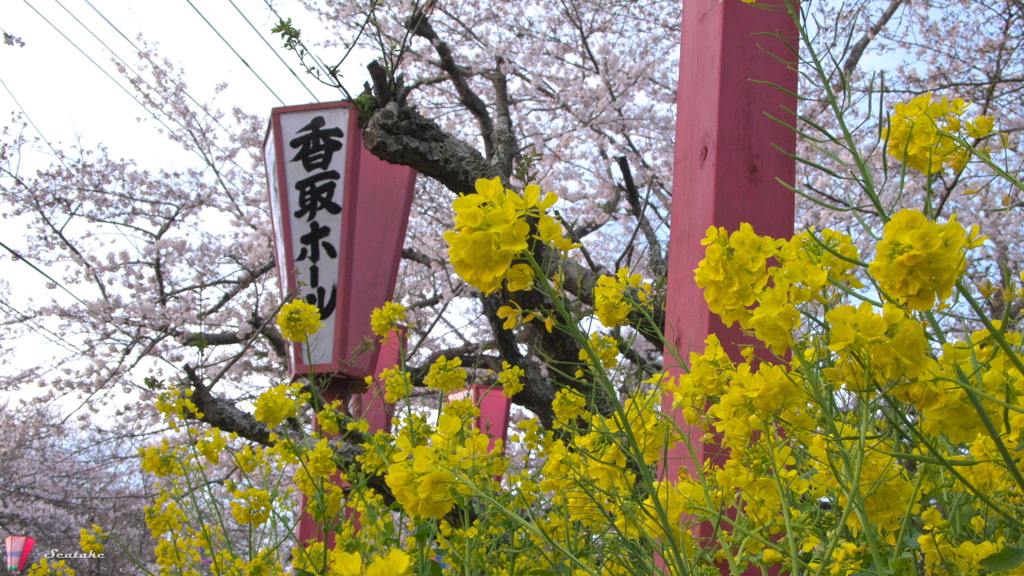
pixel 339 217
pixel 18 550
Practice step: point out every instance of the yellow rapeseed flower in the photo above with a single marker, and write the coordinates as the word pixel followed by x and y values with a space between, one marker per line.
pixel 918 133
pixel 445 375
pixel 383 320
pixel 492 231
pixel 91 541
pixel 918 261
pixel 298 320
pixel 510 379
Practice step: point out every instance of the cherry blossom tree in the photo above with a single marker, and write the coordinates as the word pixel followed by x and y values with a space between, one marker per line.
pixel 166 281
pixel 58 479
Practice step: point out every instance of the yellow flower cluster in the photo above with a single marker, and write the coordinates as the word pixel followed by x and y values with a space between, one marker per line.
pixel 46 568
pixel 874 348
pixel 163 460
pixel 278 403
pixel 568 406
pixel 397 384
pixel 607 350
pixel 918 261
pixel 395 563
pixel 610 296
pixel 734 270
pixel 92 539
pixel 212 444
pixel 176 406
pixel 298 320
pixel 492 230
pixel 383 320
pixel 445 375
pixel 510 379
pixel 422 475
pixel 251 506
pixel 919 133
pixel 185 542
pixel 735 276
pixel 786 437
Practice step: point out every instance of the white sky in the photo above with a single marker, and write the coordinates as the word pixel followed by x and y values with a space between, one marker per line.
pixel 66 85
pixel 68 96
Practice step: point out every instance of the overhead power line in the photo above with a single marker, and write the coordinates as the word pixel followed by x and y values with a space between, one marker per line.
pixel 235 52
pixel 130 94
pixel 18 256
pixel 272 49
pixel 97 65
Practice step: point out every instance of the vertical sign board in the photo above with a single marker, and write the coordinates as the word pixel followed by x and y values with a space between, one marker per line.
pixel 312 168
pixel 340 215
pixel 727 166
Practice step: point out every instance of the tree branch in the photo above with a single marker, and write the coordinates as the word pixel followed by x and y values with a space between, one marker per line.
pixel 401 135
pixel 857 51
pixel 422 28
pixel 223 414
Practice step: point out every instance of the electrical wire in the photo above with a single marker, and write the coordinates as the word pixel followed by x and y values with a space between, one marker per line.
pixel 154 115
pixel 18 256
pixel 319 63
pixel 272 49
pixel 54 338
pixel 97 65
pixel 232 48
pixel 29 119
pixel 137 50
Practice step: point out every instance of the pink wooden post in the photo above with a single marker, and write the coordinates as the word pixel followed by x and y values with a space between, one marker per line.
pixel 369 406
pixel 494 410
pixel 725 164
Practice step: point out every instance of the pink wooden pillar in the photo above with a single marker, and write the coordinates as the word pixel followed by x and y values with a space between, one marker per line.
pixel 494 410
pixel 369 406
pixel 725 163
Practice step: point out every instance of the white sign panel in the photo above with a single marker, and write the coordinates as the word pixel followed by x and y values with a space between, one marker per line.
pixel 314 150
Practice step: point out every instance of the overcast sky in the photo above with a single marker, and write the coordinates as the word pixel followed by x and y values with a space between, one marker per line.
pixel 65 82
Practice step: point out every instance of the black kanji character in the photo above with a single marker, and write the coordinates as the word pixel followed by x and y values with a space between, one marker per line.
pixel 326 308
pixel 317 147
pixel 316 195
pixel 314 239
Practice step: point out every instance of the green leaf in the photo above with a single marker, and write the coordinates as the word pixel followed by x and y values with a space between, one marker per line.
pixel 435 568
pixel 901 566
pixel 424 532
pixel 1005 560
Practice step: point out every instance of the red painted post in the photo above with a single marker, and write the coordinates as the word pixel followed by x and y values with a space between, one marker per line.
pixel 369 406
pixel 494 410
pixel 725 163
